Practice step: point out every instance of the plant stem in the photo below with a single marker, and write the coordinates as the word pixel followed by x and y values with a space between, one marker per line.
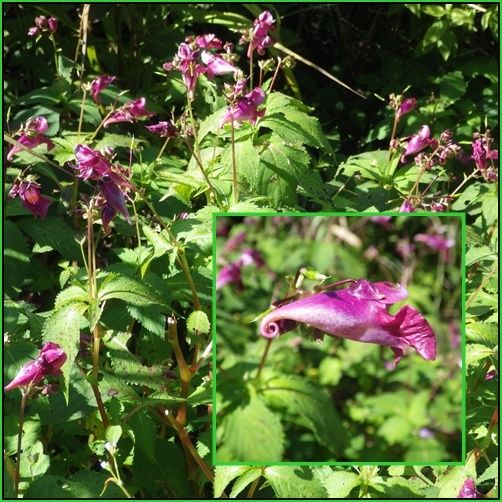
pixel 263 359
pixel 234 165
pixel 25 393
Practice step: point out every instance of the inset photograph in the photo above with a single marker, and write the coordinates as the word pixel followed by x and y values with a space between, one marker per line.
pixel 339 339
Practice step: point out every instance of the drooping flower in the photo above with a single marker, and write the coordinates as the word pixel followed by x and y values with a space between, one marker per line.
pixel 164 129
pixel 98 84
pixel 115 203
pixel 468 490
pixel 358 313
pixel 186 61
pixel 406 207
pixel 49 361
pixel 33 135
pixel 32 199
pixel 419 142
pixel 405 107
pixel 91 164
pixel 129 112
pixel 260 38
pixel 229 274
pixel 481 153
pixel 216 65
pixel 246 108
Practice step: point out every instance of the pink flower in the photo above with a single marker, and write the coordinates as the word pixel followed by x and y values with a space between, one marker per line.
pixel 406 106
pixel 31 197
pixel 246 108
pixel 229 274
pixel 216 65
pixel 49 361
pixel 468 490
pixel 163 129
pixel 129 113
pixel 419 142
pixel 32 136
pixel 406 207
pixel 98 84
pixel 259 36
pixel 481 152
pixel 91 163
pixel 43 24
pixel 186 61
pixel 358 313
pixel 208 41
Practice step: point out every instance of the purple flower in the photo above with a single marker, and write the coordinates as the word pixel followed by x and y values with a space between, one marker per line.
pixel 115 203
pixel 98 84
pixel 216 65
pixel 129 113
pixel 164 129
pixel 31 197
pixel 382 220
pixel 32 136
pixel 481 151
pixel 406 106
pixel 91 163
pixel 246 108
pixel 49 361
pixel 186 61
pixel 259 36
pixel 419 142
pixel 468 490
pixel 358 313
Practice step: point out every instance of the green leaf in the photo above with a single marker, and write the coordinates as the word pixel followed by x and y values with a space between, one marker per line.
pixel 129 290
pixel 475 254
pixel 294 482
pixel 145 432
pixel 308 405
pixel 252 474
pixel 339 484
pixel 483 333
pixel 224 475
pixel 74 293
pixel 63 328
pixel 252 433
pixel 198 321
pixel 150 317
pixel 395 488
pixel 113 433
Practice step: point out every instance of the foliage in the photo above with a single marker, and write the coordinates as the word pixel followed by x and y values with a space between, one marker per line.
pixel 108 243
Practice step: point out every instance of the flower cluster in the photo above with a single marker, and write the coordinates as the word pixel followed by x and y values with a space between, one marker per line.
pixel 48 362
pixel 42 24
pixel 360 313
pixel 112 181
pixel 189 61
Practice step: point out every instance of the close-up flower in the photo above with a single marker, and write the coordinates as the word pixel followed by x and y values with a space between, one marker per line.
pixel 91 164
pixel 164 129
pixel 405 107
pixel 360 313
pixel 419 142
pixel 98 84
pixel 260 39
pixel 29 192
pixel 48 362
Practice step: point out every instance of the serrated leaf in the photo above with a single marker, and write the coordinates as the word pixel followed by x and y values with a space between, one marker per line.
pixel 145 432
pixel 129 290
pixel 294 482
pixel 198 321
pixel 253 433
pixel 252 474
pixel 485 333
pixel 476 352
pixel 150 317
pixel 475 254
pixel 395 487
pixel 63 328
pixel 308 405
pixel 75 293
pixel 113 433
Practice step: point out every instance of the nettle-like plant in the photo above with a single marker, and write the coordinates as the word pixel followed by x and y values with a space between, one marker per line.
pixel 111 183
